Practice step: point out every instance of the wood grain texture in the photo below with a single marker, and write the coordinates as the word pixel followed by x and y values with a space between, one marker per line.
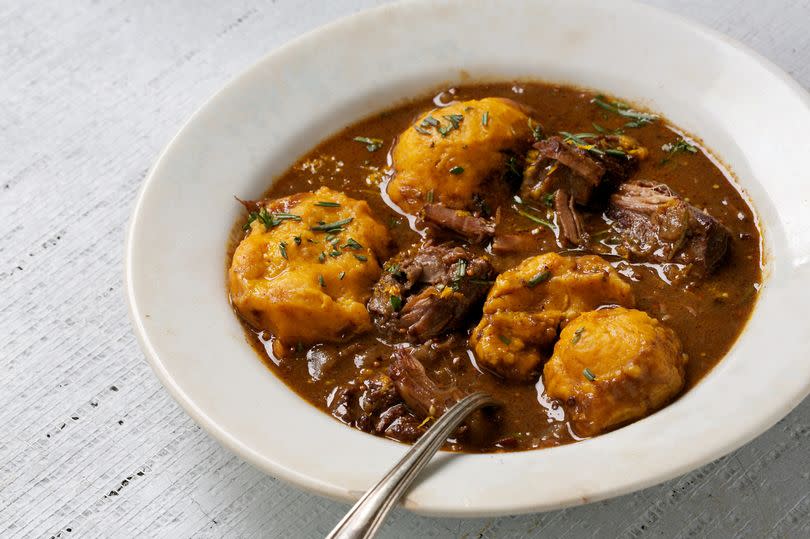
pixel 90 443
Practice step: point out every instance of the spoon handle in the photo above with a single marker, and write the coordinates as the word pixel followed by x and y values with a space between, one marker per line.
pixel 368 514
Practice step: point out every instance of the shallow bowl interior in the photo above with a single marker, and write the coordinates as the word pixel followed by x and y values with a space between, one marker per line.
pixel 751 115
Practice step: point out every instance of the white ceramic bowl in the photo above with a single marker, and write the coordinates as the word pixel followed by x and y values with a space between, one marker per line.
pixel 751 114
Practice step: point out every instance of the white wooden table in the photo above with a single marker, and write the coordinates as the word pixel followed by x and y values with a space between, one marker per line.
pixel 90 443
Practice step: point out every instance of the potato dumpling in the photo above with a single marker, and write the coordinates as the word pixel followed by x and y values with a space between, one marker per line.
pixel 450 154
pixel 614 366
pixel 529 303
pixel 305 270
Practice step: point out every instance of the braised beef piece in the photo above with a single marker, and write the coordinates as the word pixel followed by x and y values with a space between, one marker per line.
pixel 418 391
pixel 657 225
pixel 568 218
pixel 442 221
pixel 427 399
pixel 374 405
pixel 504 244
pixel 578 171
pixel 429 290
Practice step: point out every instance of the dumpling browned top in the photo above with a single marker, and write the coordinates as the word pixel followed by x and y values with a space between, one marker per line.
pixel 304 271
pixel 529 303
pixel 614 366
pixel 453 155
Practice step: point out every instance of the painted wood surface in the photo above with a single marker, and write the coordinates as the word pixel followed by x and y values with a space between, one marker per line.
pixel 90 443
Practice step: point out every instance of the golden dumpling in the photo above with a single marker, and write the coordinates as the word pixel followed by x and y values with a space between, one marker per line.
pixel 451 154
pixel 614 366
pixel 528 304
pixel 305 270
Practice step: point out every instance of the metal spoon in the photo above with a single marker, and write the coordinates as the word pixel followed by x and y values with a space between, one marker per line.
pixel 368 514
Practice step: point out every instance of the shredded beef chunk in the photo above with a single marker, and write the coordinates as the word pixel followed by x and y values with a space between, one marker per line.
pixel 442 221
pixel 575 170
pixel 374 405
pixel 418 391
pixel 505 244
pixel 657 225
pixel 428 400
pixel 570 221
pixel 429 290
pixel 580 173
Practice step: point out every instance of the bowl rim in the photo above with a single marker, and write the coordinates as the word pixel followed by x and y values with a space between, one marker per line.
pixel 307 481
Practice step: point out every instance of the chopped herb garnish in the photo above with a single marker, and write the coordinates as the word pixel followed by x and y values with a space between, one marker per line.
pixel 579 138
pixel 372 144
pixel 461 270
pixel 282 248
pixel 541 277
pixel 456 170
pixel 606 131
pixel 361 258
pixel 352 244
pixel 334 240
pixel 505 340
pixel 485 118
pixel 341 275
pixel 321 257
pixel 577 335
pixel 327 204
pixel 454 119
pixel 617 152
pixel 396 302
pixel 534 218
pixel 512 170
pixel 548 199
pixel 335 254
pixel 422 130
pixel 680 145
pixel 638 119
pixel 321 281
pixel 393 269
pixel 430 196
pixel 579 141
pixel 430 121
pixel 270 220
pixel 285 216
pixel 537 130
pixel 251 217
pixel 588 374
pixel 297 240
pixel 333 226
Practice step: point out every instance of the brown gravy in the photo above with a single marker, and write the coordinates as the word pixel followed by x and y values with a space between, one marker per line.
pixel 708 315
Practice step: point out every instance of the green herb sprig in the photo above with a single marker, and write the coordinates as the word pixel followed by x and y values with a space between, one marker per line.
pixel 269 220
pixel 333 226
pixel 372 144
pixel 679 146
pixel 541 277
pixel 637 118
